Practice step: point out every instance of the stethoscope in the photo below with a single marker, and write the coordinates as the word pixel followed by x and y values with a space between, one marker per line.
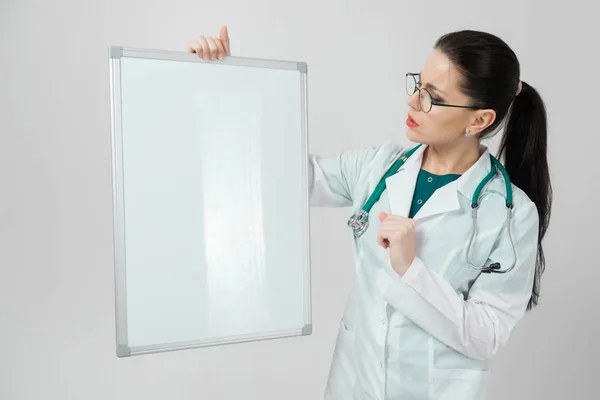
pixel 360 222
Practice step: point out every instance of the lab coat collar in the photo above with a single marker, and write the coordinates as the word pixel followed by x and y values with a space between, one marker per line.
pixel 401 186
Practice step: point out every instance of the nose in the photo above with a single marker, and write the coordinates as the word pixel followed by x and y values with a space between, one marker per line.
pixel 413 101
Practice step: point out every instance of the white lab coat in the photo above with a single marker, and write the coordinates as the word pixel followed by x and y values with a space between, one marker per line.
pixel 430 333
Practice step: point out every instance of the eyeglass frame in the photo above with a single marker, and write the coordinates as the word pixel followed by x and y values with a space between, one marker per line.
pixel 433 102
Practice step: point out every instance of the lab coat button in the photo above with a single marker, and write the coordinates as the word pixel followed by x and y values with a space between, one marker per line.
pixel 430 179
pixel 419 201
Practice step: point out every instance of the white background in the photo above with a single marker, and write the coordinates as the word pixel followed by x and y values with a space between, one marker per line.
pixel 56 254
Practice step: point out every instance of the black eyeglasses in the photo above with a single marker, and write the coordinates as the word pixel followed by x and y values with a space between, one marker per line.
pixel 425 99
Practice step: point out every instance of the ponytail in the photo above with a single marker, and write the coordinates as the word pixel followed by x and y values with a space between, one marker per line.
pixel 524 149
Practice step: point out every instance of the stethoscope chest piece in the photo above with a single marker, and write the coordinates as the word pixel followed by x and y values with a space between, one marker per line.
pixel 359 223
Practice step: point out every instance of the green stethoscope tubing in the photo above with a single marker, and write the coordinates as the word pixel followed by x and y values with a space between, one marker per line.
pixel 360 222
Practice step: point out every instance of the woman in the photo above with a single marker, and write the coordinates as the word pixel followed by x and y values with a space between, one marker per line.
pixel 421 323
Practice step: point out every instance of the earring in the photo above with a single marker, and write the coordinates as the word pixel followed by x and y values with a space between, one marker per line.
pixel 467 134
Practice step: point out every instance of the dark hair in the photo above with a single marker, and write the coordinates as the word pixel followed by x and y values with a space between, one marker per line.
pixel 490 74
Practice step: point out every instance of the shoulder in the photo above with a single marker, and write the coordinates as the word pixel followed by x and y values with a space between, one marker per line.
pixel 371 157
pixel 524 209
pixel 357 168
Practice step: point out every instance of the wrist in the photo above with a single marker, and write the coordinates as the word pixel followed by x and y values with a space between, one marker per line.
pixel 402 268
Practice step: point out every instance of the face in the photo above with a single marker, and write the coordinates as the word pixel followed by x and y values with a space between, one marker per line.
pixel 442 125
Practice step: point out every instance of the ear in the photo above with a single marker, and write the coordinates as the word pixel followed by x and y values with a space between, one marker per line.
pixel 481 120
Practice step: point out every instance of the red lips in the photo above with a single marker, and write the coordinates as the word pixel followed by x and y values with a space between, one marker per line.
pixel 411 123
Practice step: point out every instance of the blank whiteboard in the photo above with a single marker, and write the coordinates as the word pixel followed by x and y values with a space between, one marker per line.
pixel 211 212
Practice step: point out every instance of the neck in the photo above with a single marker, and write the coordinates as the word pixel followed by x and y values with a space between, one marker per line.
pixel 449 159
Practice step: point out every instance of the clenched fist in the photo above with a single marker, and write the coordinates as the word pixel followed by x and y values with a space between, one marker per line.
pixel 398 235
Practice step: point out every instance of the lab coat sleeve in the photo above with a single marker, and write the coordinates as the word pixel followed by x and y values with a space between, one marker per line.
pixel 480 325
pixel 333 179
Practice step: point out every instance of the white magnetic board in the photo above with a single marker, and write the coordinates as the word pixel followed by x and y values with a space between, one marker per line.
pixel 211 212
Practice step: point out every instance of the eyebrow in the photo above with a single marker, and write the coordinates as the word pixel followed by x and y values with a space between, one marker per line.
pixel 432 87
